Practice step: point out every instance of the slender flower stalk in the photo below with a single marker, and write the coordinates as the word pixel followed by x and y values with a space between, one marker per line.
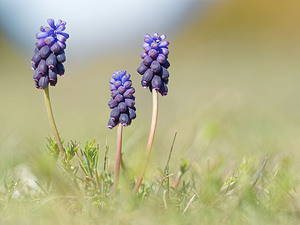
pixel 122 113
pixel 150 139
pixel 154 69
pixel 118 157
pixel 153 121
pixel 52 121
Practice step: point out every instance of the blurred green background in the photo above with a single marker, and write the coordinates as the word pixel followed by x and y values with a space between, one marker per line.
pixel 233 92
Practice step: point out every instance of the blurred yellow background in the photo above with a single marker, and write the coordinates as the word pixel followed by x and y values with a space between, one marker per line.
pixel 233 91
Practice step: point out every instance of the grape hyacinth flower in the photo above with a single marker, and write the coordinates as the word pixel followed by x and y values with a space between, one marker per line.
pixel 154 66
pixel 154 69
pixel 122 100
pixel 47 64
pixel 49 54
pixel 122 113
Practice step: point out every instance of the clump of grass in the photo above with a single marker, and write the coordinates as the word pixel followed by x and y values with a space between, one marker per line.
pixel 212 192
pixel 80 168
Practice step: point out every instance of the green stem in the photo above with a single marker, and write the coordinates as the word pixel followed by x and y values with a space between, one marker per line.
pixel 118 157
pixel 52 121
pixel 150 139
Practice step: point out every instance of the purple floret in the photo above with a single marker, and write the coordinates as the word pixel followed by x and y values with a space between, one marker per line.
pixel 49 54
pixel 122 100
pixel 155 63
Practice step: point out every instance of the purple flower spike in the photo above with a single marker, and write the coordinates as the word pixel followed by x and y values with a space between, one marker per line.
pixel 122 100
pixel 49 53
pixel 155 63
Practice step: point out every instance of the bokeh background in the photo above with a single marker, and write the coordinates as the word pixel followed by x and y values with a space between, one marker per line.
pixel 234 77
